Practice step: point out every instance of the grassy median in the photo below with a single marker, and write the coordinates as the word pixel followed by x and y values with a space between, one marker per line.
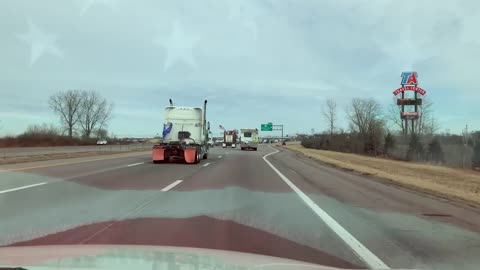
pixel 446 182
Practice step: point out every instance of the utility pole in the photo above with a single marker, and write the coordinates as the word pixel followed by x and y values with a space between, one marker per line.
pixel 279 127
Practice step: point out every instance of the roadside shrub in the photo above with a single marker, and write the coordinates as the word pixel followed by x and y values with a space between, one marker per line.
pixel 43 135
pixel 415 149
pixel 435 152
pixel 389 143
pixel 476 156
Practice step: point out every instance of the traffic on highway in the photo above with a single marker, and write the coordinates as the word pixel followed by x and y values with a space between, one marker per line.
pixel 240 134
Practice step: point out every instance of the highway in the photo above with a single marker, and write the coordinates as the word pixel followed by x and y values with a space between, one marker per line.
pixel 270 202
pixel 34 151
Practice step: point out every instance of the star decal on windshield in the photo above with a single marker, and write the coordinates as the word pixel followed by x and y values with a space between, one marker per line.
pixel 40 43
pixel 179 47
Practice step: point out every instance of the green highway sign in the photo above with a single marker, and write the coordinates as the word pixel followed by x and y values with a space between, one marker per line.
pixel 266 127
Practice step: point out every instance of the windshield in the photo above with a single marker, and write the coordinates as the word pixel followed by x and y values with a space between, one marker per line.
pixel 339 133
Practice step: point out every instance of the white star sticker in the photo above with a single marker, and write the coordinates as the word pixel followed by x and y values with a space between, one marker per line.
pixel 40 43
pixel 90 3
pixel 179 47
pixel 244 14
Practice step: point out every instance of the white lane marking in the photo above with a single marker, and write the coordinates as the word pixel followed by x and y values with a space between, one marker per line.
pixel 219 156
pixel 19 188
pixel 172 185
pixel 206 164
pixel 358 248
pixel 135 164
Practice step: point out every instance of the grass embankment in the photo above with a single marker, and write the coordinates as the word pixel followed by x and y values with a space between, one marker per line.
pixel 441 181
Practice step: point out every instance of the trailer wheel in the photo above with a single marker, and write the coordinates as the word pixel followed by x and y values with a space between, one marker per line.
pixel 198 156
pixel 205 156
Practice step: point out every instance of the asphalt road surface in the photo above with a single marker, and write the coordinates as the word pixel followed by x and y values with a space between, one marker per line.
pixel 33 151
pixel 270 202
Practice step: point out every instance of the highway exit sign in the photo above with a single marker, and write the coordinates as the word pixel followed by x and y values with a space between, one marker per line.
pixel 266 127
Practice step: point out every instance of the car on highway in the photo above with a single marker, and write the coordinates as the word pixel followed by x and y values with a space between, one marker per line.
pixel 211 143
pixel 102 142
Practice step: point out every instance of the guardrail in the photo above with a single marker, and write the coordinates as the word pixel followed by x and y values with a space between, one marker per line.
pixel 36 151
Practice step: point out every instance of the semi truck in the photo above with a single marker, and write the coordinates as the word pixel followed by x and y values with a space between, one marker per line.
pixel 185 135
pixel 229 138
pixel 249 139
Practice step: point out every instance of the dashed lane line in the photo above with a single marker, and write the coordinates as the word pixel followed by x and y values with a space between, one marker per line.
pixel 135 164
pixel 20 188
pixel 172 185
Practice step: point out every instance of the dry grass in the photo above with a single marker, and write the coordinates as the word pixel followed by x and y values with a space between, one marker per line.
pixel 442 181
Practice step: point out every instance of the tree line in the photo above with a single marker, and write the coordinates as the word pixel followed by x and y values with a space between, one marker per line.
pixel 374 131
pixel 85 112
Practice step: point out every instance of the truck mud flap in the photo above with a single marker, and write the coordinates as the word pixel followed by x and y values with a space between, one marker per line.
pixel 190 155
pixel 158 154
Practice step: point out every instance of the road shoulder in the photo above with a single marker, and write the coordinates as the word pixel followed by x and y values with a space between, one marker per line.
pixel 459 186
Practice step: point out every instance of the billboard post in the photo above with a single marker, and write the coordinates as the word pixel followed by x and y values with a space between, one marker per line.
pixel 409 83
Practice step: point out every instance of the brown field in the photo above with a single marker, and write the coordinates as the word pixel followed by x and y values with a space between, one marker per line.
pixel 445 182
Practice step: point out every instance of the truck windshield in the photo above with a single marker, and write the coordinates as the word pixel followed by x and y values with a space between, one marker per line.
pixel 247 134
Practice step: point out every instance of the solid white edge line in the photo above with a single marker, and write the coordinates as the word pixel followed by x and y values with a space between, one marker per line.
pixel 172 185
pixel 206 164
pixel 135 164
pixel 19 188
pixel 358 248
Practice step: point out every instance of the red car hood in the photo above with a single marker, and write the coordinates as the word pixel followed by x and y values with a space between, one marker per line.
pixel 140 257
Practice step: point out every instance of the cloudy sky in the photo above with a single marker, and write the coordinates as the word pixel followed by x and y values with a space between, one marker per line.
pixel 254 60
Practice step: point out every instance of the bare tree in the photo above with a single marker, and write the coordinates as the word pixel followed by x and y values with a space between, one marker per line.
pixel 66 104
pixel 426 124
pixel 330 114
pixel 95 112
pixel 364 117
pixel 394 118
pixel 363 114
pixel 101 133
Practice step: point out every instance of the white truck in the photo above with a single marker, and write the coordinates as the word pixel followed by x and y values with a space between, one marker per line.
pixel 185 135
pixel 249 139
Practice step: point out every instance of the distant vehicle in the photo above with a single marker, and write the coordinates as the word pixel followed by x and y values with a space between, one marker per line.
pixel 185 135
pixel 249 139
pixel 102 142
pixel 229 138
pixel 219 142
pixel 211 143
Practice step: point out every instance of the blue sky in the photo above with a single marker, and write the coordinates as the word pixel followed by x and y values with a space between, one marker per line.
pixel 254 60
